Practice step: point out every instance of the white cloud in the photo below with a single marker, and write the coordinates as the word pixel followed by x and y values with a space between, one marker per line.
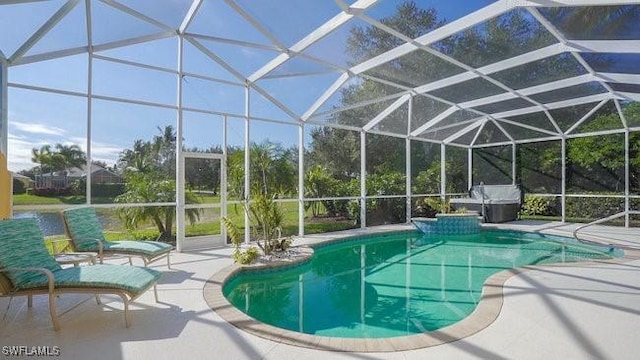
pixel 19 152
pixel 108 153
pixel 35 128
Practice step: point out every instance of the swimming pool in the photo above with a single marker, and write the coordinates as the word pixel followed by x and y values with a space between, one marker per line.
pixel 392 285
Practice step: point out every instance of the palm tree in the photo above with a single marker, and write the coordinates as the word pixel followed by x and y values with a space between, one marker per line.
pixel 261 162
pixel 69 156
pixel 42 156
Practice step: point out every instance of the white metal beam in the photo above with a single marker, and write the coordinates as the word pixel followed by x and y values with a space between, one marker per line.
pixel 44 29
pixel 505 132
pixel 443 115
pixel 301 45
pixel 555 105
pixel 247 164
pixel 363 179
pixel 629 96
pixel 462 132
pixel 565 3
pixel 276 102
pixel 139 15
pixel 623 118
pixel 386 112
pixel 180 161
pixel 215 58
pixel 49 56
pixel 355 106
pixel 619 77
pixel 301 174
pixel 586 116
pixel 256 24
pixel 188 18
pixel 477 135
pixel 83 49
pixel 440 33
pixel 456 124
pixel 515 61
pixel 527 126
pixel 89 25
pixel 563 40
pixel 554 85
pixel 245 44
pixel 605 46
pixel 133 41
pixel 325 96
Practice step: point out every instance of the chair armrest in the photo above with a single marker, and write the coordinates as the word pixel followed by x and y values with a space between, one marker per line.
pixel 47 272
pixel 100 247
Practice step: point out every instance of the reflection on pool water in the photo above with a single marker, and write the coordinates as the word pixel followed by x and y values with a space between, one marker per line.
pixel 393 284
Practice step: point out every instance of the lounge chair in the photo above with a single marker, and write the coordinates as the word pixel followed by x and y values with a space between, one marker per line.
pixel 85 232
pixel 27 268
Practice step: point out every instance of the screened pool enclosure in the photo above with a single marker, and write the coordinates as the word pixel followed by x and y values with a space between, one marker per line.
pixel 169 115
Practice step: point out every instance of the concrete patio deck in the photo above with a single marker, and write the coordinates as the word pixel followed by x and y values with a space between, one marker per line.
pixel 572 312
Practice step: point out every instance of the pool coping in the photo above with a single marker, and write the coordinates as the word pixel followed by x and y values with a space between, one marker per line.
pixel 485 313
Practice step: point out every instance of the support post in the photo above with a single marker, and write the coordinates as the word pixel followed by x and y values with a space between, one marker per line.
pixel 408 179
pixel 563 156
pixel 443 172
pixel 223 177
pixel 6 200
pixel 89 99
pixel 301 180
pixel 514 164
pixel 247 165
pixel 180 210
pixel 627 174
pixel 469 168
pixel 363 179
pixel 89 132
pixel 4 120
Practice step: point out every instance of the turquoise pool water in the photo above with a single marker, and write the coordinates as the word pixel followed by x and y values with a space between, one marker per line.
pixel 393 284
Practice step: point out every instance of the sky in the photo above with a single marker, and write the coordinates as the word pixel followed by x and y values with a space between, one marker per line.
pixel 37 118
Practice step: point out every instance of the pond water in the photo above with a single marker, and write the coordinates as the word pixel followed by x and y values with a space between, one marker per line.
pixel 50 222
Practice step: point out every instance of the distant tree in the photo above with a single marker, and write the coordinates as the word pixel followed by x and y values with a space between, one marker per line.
pixel 273 170
pixel 203 174
pixel 45 157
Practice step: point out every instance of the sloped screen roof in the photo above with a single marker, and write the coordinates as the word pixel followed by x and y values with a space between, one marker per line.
pixel 430 70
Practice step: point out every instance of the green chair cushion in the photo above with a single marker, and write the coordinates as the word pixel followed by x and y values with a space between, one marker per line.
pixel 22 245
pixel 84 228
pixel 131 279
pixel 149 249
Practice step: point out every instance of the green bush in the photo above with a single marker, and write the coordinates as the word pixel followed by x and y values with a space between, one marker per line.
pixel 593 208
pixel 247 256
pixel 536 205
pixel 18 187
pixel 384 211
pixel 78 187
